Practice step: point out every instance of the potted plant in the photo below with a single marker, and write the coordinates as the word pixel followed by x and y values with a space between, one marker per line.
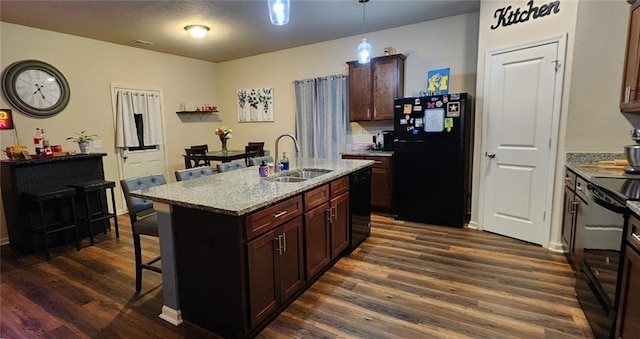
pixel 83 140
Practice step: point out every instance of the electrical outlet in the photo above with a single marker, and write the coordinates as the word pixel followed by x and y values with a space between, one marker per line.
pixel 97 143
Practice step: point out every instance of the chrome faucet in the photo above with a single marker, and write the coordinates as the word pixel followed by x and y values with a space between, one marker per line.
pixel 295 141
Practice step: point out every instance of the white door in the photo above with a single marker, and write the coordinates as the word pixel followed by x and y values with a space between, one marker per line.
pixel 521 114
pixel 139 162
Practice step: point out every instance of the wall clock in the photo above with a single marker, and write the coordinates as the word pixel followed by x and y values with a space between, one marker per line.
pixel 35 88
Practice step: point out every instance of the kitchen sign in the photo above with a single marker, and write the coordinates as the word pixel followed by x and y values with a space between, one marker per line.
pixel 507 16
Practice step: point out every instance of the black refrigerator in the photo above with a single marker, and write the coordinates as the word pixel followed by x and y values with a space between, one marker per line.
pixel 432 159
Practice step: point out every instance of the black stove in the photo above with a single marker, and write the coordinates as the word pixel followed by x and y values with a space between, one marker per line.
pixel 622 189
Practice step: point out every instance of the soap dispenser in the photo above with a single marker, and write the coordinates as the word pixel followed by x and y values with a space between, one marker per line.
pixel 263 170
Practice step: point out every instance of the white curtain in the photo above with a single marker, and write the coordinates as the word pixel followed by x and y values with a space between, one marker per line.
pixel 129 103
pixel 321 116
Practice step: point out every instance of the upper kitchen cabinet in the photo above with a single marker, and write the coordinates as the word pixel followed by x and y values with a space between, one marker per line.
pixel 630 98
pixel 373 86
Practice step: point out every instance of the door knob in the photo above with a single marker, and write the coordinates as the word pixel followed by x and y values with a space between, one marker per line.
pixel 490 155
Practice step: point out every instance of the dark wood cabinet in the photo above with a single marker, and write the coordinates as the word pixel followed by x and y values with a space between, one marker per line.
pixel 317 237
pixel 380 180
pixel 339 224
pixel 630 97
pixel 373 86
pixel 628 322
pixel 326 225
pixel 575 203
pixel 275 269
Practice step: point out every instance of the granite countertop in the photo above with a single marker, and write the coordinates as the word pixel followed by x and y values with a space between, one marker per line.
pixel 242 191
pixel 369 153
pixel 592 172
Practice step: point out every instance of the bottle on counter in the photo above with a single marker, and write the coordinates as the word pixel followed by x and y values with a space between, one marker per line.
pixel 37 140
pixel 45 140
pixel 263 170
pixel 284 163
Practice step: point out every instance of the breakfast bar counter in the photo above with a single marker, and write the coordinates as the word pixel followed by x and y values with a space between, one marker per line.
pixel 237 248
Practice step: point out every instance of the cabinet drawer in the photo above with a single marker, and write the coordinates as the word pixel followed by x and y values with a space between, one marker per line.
pixel 581 188
pixel 270 217
pixel 339 186
pixel 380 162
pixel 316 197
pixel 570 179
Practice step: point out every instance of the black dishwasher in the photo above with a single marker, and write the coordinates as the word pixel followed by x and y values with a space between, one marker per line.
pixel 360 206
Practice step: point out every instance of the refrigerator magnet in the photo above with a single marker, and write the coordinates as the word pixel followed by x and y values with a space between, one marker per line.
pixel 403 121
pixel 448 124
pixel 445 98
pixel 439 103
pixel 431 105
pixel 453 109
pixel 407 109
pixel 417 108
pixel 433 120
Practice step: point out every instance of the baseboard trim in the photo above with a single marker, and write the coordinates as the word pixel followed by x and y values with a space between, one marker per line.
pixel 556 247
pixel 171 316
pixel 473 225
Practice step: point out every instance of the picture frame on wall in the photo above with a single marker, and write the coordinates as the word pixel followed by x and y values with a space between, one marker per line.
pixel 255 104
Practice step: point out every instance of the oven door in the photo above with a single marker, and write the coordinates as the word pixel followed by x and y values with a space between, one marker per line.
pixel 599 234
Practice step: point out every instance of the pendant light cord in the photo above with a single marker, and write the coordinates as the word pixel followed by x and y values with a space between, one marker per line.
pixel 364 14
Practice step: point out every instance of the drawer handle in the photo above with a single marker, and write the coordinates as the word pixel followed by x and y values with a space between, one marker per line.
pixel 279 214
pixel 635 236
pixel 579 188
pixel 377 162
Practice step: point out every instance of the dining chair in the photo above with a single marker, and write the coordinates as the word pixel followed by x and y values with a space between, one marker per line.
pixel 196 157
pixel 192 173
pixel 252 151
pixel 206 147
pixel 229 166
pixel 258 160
pixel 144 219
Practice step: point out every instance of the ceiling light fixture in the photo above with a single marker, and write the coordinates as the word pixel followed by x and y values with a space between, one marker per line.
pixel 279 12
pixel 364 48
pixel 197 31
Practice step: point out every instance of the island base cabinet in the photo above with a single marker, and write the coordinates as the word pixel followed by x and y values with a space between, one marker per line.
pixel 275 269
pixel 629 309
pixel 339 224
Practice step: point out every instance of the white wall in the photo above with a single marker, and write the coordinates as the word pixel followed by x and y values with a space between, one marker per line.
pixel 590 120
pixel 90 67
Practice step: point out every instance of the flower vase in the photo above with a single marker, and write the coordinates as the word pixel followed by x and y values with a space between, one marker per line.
pixel 84 147
pixel 224 147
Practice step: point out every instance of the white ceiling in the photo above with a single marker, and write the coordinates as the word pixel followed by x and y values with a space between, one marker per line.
pixel 239 28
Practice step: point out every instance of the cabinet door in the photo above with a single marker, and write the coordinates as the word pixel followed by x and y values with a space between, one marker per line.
pixel 290 261
pixel 630 98
pixel 316 237
pixel 262 277
pixel 388 84
pixel 568 225
pixel 380 188
pixel 359 91
pixel 628 325
pixel 339 224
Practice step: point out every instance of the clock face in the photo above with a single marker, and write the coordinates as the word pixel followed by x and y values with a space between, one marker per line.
pixel 35 88
pixel 38 88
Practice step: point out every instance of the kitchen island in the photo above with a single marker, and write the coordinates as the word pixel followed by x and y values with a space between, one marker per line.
pixel 237 249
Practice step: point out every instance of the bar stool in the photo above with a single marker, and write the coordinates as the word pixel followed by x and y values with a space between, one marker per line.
pixel 84 189
pixel 55 195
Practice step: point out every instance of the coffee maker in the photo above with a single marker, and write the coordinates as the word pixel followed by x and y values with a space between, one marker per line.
pixel 633 153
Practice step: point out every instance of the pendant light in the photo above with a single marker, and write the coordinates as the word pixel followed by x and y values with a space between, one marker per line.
pixel 364 48
pixel 279 12
pixel 197 31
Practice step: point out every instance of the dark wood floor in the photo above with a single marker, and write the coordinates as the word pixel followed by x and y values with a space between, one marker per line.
pixel 407 280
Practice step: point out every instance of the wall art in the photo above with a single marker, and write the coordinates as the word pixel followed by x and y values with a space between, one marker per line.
pixel 255 105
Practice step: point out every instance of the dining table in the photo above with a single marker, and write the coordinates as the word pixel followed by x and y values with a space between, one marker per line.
pixel 227 156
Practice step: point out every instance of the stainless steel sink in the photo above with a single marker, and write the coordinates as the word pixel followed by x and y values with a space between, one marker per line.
pixel 299 175
pixel 287 179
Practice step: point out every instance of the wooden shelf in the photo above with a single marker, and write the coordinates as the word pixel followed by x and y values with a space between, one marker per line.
pixel 200 113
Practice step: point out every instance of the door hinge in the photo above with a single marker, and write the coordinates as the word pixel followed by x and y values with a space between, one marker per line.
pixel 549 143
pixel 557 66
pixel 544 215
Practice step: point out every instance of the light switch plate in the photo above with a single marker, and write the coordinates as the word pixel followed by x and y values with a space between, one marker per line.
pixel 97 143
